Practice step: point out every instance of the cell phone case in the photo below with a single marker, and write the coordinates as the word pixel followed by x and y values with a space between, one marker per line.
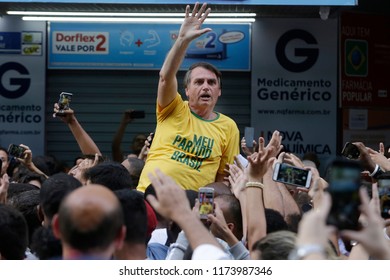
pixel 350 151
pixel 249 136
pixel 16 150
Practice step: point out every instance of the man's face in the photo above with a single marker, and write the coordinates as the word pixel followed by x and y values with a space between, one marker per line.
pixel 77 171
pixel 203 90
pixel 138 143
pixel 4 158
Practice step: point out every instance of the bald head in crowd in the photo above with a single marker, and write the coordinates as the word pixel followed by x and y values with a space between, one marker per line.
pixel 90 223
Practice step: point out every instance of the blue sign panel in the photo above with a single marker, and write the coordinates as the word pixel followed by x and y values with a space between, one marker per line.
pixel 143 46
pixel 10 43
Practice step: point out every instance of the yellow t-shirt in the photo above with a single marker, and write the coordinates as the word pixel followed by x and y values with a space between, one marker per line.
pixel 188 148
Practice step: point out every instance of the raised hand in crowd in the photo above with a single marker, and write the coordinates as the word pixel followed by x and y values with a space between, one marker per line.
pixel 78 170
pixel 220 227
pixel 237 180
pixel 246 150
pixel 145 149
pixel 127 117
pixel 313 232
pixel 85 142
pixel 171 202
pixel 4 184
pixel 259 163
pixel 292 159
pixel 275 144
pixel 26 160
pixel 373 236
pixel 365 158
pixel 379 157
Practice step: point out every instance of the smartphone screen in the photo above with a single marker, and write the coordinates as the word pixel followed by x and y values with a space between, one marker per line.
pixel 206 202
pixel 288 174
pixel 16 150
pixel 350 151
pixel 344 183
pixel 384 197
pixel 249 136
pixel 64 103
pixel 64 100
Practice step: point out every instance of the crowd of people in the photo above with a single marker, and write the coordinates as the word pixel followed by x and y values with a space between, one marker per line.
pixel 144 205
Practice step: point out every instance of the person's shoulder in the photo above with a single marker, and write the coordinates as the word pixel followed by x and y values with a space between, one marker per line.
pixel 227 120
pixel 177 104
pixel 156 251
pixel 225 117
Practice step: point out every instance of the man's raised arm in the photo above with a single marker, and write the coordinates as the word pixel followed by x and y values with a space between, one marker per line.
pixel 189 30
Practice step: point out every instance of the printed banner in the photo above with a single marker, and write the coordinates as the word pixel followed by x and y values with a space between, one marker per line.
pixel 22 83
pixel 143 46
pixel 294 84
pixel 365 60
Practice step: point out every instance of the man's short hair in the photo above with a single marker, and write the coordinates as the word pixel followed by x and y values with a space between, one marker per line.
pixel 112 175
pixel 27 202
pixel 136 166
pixel 233 213
pixel 83 234
pixel 53 191
pixel 276 245
pixel 135 217
pixel 13 233
pixel 205 65
pixel 5 151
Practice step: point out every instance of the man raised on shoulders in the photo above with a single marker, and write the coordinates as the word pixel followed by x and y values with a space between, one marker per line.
pixel 192 142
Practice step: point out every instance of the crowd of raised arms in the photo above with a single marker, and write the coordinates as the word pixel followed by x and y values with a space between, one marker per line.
pixel 192 189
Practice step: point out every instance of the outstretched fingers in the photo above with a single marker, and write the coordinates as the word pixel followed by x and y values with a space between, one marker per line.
pixel 195 9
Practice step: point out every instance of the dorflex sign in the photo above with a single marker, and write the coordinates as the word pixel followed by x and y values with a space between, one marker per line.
pixel 143 46
pixel 79 42
pixel 294 83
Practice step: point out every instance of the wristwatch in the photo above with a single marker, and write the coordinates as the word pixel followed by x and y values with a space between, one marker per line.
pixel 298 253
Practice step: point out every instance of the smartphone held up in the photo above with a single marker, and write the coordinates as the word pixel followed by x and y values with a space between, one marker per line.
pixel 206 202
pixel 16 151
pixel 289 174
pixel 350 151
pixel 64 103
pixel 249 135
pixel 344 178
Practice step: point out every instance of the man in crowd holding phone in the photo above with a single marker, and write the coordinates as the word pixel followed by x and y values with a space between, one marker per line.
pixel 192 142
pixel 138 141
